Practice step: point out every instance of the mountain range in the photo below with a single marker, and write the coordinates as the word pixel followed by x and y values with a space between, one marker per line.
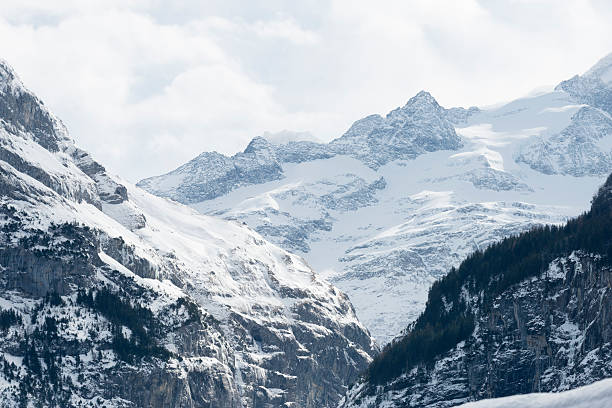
pixel 474 243
pixel 396 201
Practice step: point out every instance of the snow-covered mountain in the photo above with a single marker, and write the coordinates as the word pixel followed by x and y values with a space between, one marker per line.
pixel 111 296
pixel 529 314
pixel 392 204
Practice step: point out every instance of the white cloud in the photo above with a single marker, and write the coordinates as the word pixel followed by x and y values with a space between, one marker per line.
pixel 286 29
pixel 146 84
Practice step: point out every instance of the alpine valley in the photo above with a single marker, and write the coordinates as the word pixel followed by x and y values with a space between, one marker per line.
pixel 475 244
pixel 390 206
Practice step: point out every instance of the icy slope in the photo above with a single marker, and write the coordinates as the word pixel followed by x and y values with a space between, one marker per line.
pixel 396 201
pixel 597 395
pixel 220 317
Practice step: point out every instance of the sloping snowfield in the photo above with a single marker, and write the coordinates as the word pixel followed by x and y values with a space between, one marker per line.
pixel 596 395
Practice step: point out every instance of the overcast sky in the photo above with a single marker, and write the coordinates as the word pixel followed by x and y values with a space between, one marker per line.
pixel 147 85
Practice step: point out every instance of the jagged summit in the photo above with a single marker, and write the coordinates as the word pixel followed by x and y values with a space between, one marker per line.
pixel 602 69
pixel 420 126
pixel 24 118
pixel 423 100
pixel 422 96
pixel 22 110
pixel 594 87
pixel 8 77
pixel 258 143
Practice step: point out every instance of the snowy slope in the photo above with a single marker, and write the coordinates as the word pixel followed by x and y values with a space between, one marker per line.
pixel 263 328
pixel 396 201
pixel 597 395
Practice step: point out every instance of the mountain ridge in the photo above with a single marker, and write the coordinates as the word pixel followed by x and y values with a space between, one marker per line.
pixel 397 200
pixel 379 131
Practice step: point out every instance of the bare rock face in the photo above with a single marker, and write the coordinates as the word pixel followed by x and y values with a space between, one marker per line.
pixel 420 126
pixel 25 112
pixel 112 297
pixel 594 87
pixel 576 150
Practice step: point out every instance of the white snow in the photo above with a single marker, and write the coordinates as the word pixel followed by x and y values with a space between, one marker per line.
pixel 596 395
pixel 384 252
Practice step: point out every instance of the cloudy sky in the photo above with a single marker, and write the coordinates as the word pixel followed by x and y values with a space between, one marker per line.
pixel 148 84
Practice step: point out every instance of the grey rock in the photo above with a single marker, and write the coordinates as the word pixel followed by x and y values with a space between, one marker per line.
pixel 576 150
pixel 420 126
pixel 594 87
pixel 211 175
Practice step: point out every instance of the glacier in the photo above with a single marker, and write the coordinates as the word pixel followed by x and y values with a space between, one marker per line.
pixel 391 205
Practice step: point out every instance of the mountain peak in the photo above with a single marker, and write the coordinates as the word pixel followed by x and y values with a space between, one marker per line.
pixel 10 83
pixel 6 70
pixel 594 87
pixel 422 97
pixel 602 69
pixel 21 108
pixel 419 104
pixel 258 143
pixel 422 100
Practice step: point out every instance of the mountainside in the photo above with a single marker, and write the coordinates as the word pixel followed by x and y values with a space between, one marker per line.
pixel 594 87
pixel 596 395
pixel 396 201
pixel 529 314
pixel 110 296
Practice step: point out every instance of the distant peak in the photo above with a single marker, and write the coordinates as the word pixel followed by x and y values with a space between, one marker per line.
pixel 421 102
pixel 602 69
pixel 258 143
pixel 422 97
pixel 423 94
pixel 5 68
